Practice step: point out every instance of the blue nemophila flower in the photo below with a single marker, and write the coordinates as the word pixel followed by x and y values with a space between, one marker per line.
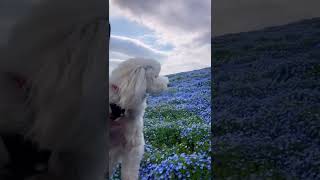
pixel 177 129
pixel 267 110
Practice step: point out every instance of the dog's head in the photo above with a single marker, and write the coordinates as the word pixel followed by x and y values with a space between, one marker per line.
pixel 133 79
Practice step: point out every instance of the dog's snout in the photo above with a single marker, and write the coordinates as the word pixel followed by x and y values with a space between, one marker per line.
pixel 165 79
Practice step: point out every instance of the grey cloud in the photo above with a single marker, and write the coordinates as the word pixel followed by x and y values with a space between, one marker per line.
pixel 187 15
pixel 232 16
pixel 205 38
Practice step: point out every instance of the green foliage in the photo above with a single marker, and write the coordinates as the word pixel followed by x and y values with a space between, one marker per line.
pixel 222 54
pixel 314 71
pixel 235 164
pixel 170 114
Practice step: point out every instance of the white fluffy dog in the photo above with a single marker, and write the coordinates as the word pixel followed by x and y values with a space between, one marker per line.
pixel 59 49
pixel 128 87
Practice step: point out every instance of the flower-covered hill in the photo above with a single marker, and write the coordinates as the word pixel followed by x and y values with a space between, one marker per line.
pixel 267 103
pixel 190 91
pixel 177 129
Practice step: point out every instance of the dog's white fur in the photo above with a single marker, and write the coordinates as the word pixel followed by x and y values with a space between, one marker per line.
pixel 61 48
pixel 133 79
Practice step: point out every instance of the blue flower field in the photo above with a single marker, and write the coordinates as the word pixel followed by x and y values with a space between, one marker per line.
pixel 178 129
pixel 266 103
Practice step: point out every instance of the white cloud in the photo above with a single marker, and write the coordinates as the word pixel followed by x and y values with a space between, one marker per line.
pixel 134 48
pixel 122 48
pixel 113 63
pixel 118 55
pixel 186 60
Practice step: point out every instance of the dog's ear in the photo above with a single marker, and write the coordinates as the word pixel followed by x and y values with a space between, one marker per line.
pixel 133 89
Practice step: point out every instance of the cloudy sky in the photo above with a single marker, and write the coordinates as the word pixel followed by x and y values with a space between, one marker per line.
pixel 175 32
pixel 233 16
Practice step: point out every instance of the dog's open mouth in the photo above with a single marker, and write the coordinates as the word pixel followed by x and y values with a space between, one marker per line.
pixel 116 112
pixel 20 81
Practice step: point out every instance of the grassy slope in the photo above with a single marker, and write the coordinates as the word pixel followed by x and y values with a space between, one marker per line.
pixel 266 103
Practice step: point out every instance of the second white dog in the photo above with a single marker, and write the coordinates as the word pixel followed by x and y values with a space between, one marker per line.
pixel 128 87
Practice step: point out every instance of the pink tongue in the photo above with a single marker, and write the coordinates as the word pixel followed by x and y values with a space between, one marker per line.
pixel 20 81
pixel 115 88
